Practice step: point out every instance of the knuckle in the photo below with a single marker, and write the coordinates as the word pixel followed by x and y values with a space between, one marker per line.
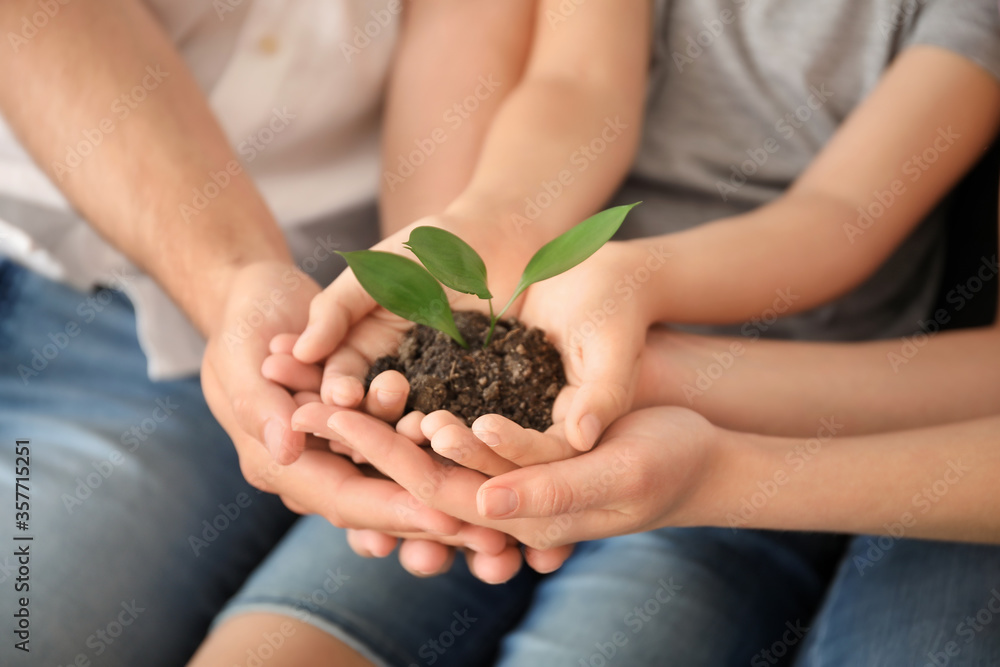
pixel 553 496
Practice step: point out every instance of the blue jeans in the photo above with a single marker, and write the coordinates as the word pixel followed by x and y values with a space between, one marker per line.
pixel 134 488
pixel 143 529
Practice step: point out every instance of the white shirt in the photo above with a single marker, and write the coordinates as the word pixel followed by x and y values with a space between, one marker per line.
pixel 296 86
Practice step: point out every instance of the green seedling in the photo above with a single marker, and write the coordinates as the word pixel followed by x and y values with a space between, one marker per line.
pixel 414 292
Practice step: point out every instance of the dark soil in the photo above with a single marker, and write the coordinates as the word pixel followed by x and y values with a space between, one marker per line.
pixel 517 376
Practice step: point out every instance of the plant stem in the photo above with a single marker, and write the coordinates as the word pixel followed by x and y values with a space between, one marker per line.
pixel 493 324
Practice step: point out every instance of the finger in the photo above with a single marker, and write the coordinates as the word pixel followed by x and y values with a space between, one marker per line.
pixel 609 370
pixel 547 560
pixel 495 569
pixel 331 315
pixel 563 402
pixel 303 397
pixel 413 468
pixel 283 343
pixel 371 543
pixel 288 371
pixel 424 558
pixel 457 443
pixel 386 398
pixel 521 446
pixel 409 427
pixel 437 420
pixel 313 418
pixel 477 538
pixel 347 366
pixel 256 406
pixel 549 489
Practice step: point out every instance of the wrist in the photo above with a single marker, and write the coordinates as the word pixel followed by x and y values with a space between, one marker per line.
pixel 728 494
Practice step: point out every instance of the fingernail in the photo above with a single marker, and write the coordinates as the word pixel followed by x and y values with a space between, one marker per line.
pixel 388 399
pixel 497 502
pixel 590 429
pixel 273 432
pixel 487 437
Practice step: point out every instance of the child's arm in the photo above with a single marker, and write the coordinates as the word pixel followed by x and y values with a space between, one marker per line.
pixel 810 240
pixel 785 388
pixel 584 78
pixel 800 251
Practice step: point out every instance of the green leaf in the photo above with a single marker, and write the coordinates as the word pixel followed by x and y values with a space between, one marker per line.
pixel 450 259
pixel 405 288
pixel 570 248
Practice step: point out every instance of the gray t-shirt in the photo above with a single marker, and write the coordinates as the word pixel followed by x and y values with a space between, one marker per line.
pixel 732 76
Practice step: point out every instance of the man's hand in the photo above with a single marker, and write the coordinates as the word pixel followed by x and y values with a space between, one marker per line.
pixel 265 299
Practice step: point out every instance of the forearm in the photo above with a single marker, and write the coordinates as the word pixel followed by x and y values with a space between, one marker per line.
pixel 786 387
pixel 440 106
pixel 935 483
pixel 845 214
pixel 537 174
pixel 153 154
pixel 551 129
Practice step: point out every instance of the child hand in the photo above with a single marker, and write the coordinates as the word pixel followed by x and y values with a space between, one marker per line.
pixel 597 314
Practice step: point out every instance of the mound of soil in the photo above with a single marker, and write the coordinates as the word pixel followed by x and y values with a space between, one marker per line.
pixel 517 376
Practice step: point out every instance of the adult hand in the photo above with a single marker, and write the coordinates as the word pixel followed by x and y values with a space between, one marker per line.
pixel 492 557
pixel 649 471
pixel 265 299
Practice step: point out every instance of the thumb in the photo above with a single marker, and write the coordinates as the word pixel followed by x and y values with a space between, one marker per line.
pixel 545 490
pixel 256 406
pixel 610 368
pixel 332 313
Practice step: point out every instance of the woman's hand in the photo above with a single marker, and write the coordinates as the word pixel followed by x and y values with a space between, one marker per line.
pixel 649 470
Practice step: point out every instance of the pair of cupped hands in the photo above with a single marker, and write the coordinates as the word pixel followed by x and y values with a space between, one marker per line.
pixel 305 429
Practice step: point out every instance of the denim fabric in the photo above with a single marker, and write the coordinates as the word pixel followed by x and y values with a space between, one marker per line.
pixel 124 473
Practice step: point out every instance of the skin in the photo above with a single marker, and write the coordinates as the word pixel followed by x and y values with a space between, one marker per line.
pixel 574 77
pixel 742 261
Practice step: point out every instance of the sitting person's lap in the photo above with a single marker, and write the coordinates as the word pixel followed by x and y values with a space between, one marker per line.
pixel 124 474
pixel 679 596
